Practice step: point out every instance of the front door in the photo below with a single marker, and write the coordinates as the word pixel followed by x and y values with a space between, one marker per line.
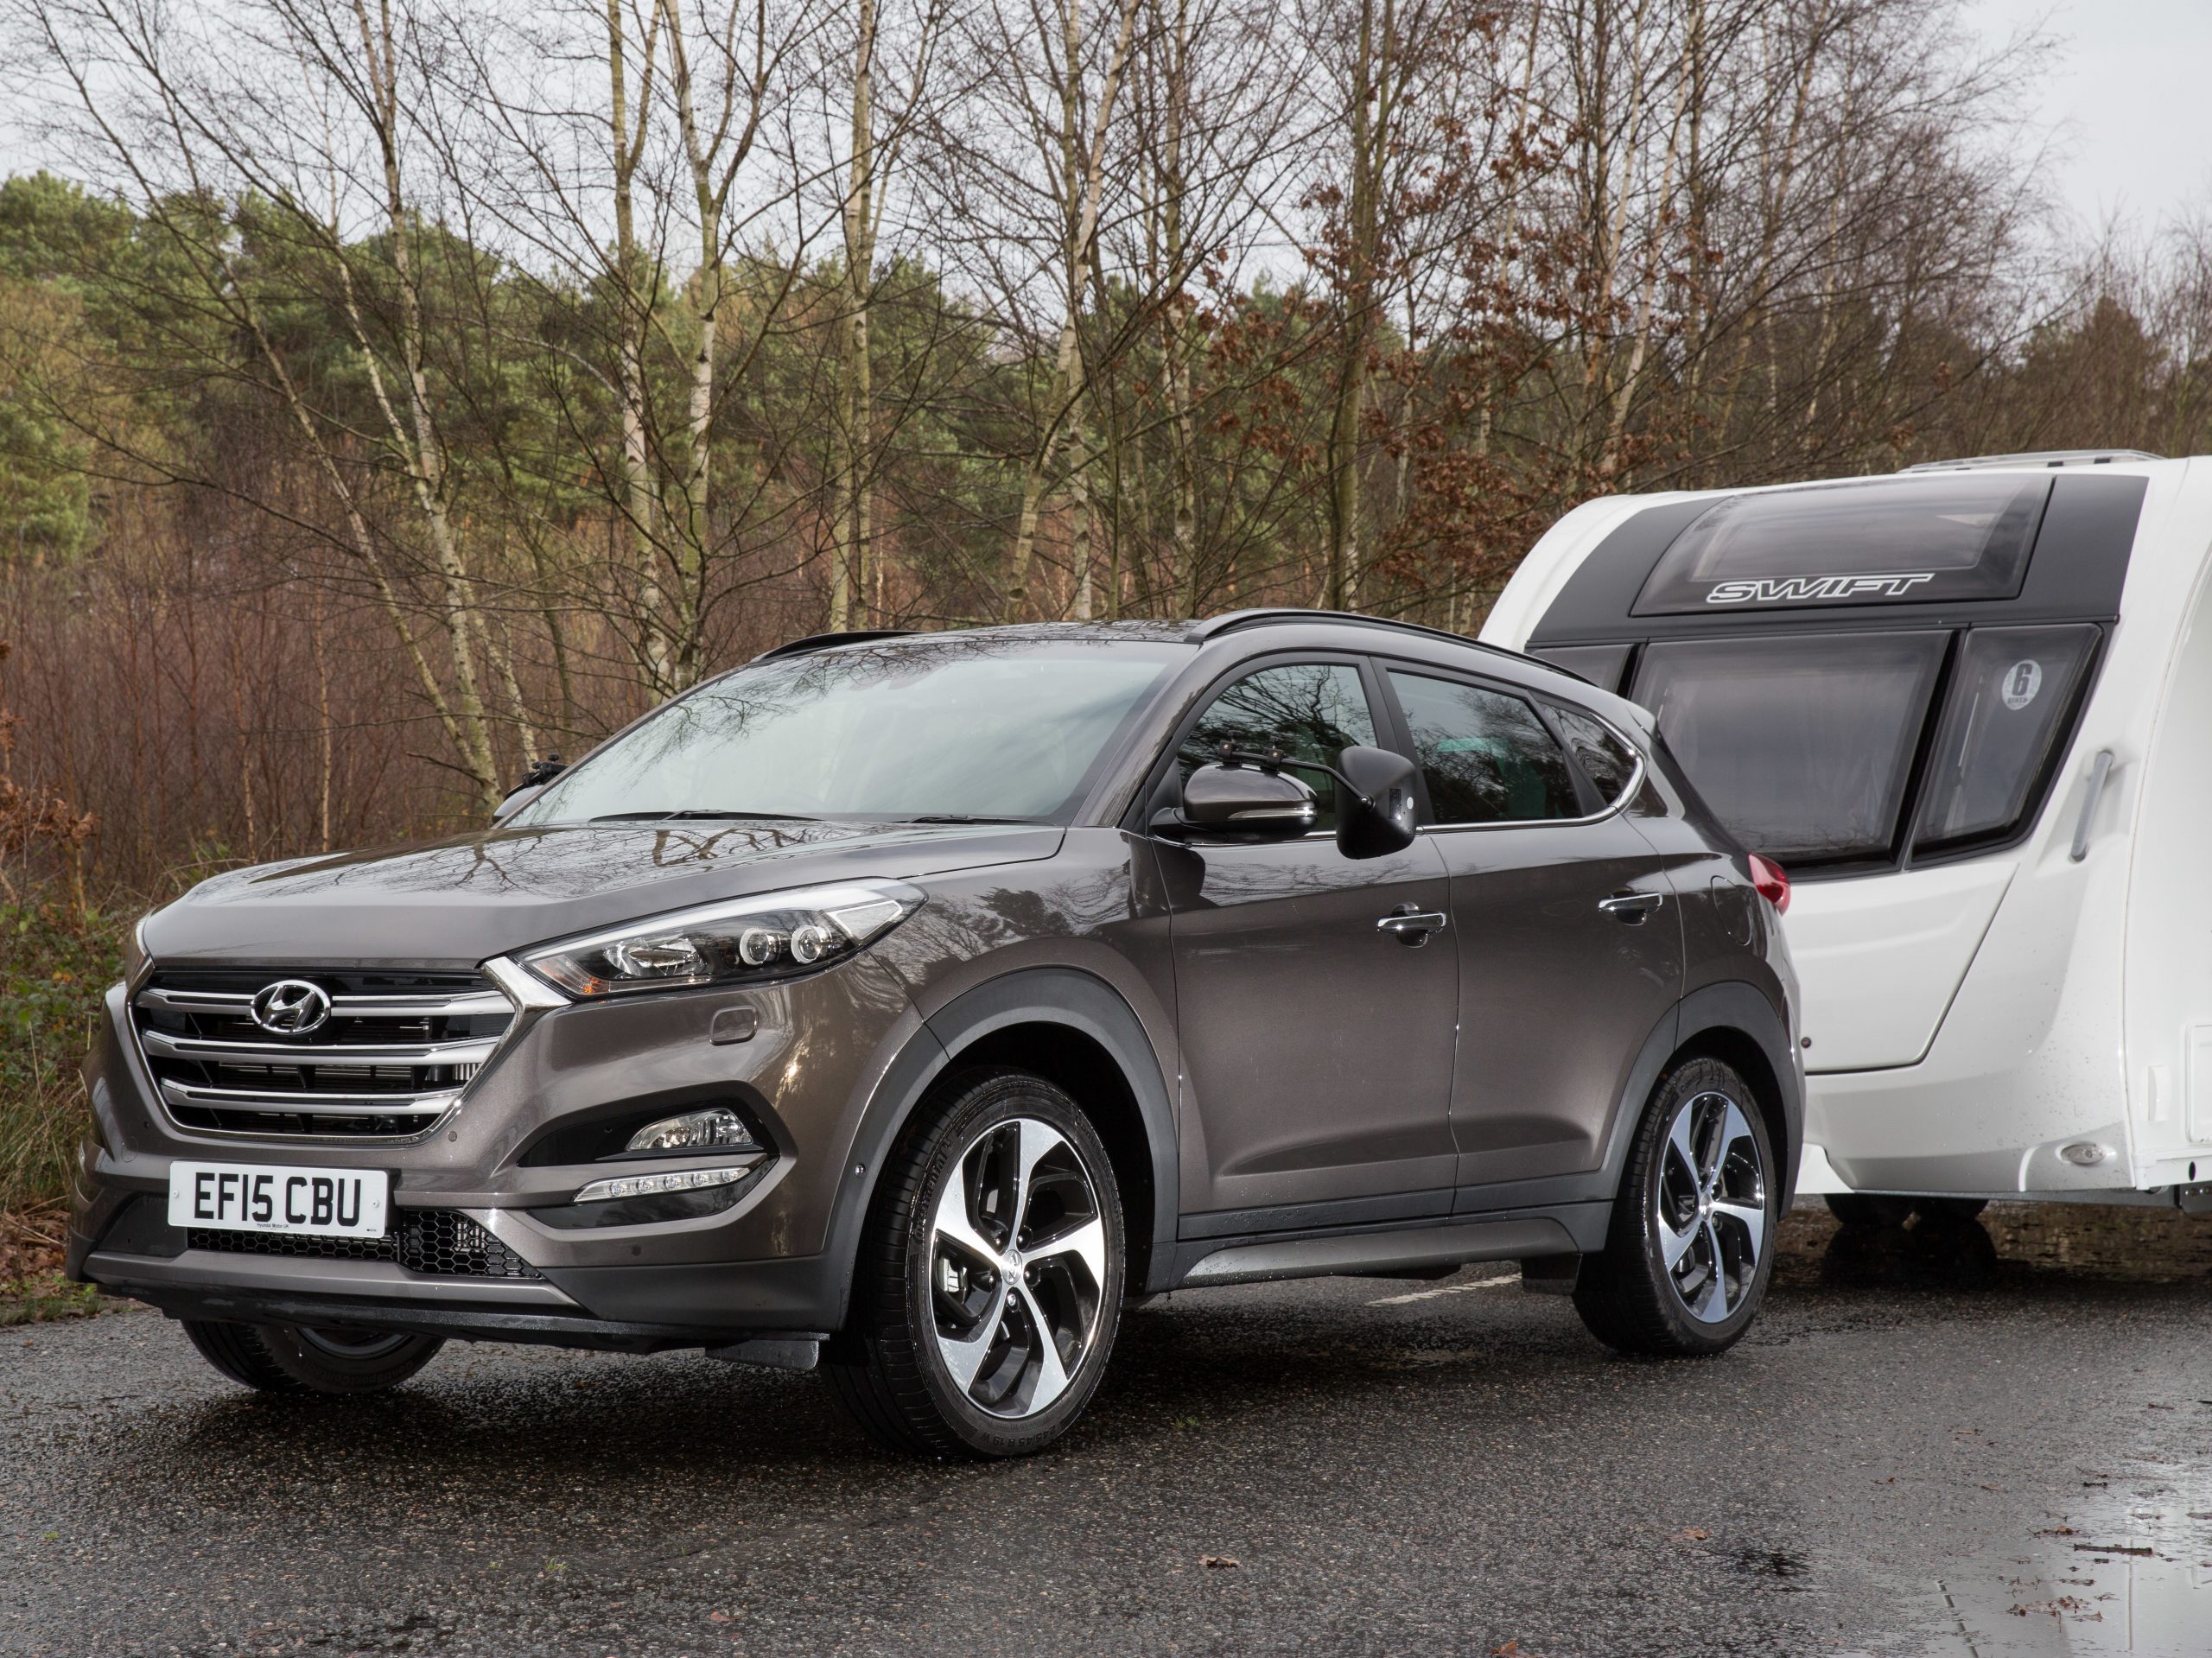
pixel 1316 1047
pixel 1568 936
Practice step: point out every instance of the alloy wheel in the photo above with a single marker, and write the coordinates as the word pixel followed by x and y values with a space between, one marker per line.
pixel 1712 1206
pixel 1017 1268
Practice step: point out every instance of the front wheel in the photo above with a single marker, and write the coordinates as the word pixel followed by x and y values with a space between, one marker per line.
pixel 305 1359
pixel 990 1282
pixel 1687 1263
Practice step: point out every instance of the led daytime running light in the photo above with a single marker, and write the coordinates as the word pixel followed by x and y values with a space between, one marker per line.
pixel 650 1185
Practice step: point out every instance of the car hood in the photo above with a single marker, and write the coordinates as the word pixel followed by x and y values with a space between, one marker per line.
pixel 451 904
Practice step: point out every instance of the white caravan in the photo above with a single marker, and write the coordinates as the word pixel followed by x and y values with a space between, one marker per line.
pixel 1969 709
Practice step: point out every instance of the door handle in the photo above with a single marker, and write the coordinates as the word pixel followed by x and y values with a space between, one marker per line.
pixel 1631 908
pixel 1412 926
pixel 2098 773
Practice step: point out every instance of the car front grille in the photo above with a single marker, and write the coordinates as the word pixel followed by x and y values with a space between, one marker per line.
pixel 390 1058
pixel 436 1243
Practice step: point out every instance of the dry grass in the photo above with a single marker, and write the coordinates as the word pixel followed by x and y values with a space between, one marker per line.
pixel 31 1288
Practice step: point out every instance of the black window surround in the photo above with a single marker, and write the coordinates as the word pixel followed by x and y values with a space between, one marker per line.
pixel 1393 735
pixel 2075 574
pixel 1912 846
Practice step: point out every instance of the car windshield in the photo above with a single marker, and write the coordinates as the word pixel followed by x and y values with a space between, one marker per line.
pixel 954 728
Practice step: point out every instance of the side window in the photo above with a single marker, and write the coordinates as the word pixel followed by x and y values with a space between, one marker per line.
pixel 1486 756
pixel 1302 711
pixel 2009 694
pixel 1605 758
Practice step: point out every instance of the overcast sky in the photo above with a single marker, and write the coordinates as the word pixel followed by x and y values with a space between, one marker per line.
pixel 2125 92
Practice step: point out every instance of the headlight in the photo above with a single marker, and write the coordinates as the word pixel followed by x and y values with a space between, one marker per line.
pixel 749 941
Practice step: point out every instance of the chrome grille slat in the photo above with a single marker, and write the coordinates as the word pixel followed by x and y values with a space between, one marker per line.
pixel 475 1050
pixel 280 1101
pixel 490 1003
pixel 394 1054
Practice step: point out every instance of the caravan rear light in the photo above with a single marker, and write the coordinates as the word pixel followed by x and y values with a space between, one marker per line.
pixel 1773 885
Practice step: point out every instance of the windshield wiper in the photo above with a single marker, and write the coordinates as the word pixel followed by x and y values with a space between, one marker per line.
pixel 966 817
pixel 700 811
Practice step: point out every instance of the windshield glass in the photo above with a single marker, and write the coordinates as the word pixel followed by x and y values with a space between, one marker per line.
pixel 964 726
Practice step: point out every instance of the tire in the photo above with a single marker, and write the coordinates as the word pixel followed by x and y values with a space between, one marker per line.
pixel 937 1261
pixel 1866 1208
pixel 293 1359
pixel 1702 1160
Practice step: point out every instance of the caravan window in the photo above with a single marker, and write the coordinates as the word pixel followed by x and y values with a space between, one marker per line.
pixel 1947 538
pixel 2009 698
pixel 1800 745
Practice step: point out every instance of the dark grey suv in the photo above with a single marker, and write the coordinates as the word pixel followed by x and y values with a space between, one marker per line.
pixel 908 1005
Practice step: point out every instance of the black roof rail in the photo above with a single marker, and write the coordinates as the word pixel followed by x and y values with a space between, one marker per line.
pixel 2041 458
pixel 814 642
pixel 1235 621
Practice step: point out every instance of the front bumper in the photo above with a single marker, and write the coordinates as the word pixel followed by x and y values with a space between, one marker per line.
pixel 761 1266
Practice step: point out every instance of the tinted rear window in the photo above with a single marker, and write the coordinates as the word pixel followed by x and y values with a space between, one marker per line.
pixel 1948 538
pixel 1801 746
pixel 1484 755
pixel 1605 758
pixel 2009 698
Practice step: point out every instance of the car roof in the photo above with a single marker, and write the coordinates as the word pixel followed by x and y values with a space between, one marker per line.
pixel 1197 633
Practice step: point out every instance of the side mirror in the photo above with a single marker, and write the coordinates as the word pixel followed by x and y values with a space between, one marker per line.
pixel 1246 802
pixel 1383 822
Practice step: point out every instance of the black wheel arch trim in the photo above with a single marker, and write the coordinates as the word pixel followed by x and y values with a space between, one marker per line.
pixel 1079 1001
pixel 1732 1010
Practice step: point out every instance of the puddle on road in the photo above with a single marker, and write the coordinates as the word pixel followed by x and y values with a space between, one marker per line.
pixel 2064 1601
pixel 2127 1581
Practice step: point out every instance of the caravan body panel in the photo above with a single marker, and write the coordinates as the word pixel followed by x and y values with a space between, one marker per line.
pixel 1992 1004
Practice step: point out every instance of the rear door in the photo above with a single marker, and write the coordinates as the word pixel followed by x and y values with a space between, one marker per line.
pixel 1569 938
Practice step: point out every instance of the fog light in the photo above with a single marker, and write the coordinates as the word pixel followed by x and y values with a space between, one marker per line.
pixel 717 1127
pixel 648 1185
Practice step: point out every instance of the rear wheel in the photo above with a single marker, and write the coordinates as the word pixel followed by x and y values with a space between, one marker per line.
pixel 304 1359
pixel 1687 1260
pixel 990 1283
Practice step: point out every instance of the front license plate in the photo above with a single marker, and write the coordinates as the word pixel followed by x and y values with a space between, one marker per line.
pixel 267 1197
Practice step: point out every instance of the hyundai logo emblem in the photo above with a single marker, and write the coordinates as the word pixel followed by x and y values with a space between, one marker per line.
pixel 291 1006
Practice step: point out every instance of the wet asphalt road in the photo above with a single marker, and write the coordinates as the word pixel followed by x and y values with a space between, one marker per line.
pixel 1939 1444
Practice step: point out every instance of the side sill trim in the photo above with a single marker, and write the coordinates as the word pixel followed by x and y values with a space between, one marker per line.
pixel 1370 1252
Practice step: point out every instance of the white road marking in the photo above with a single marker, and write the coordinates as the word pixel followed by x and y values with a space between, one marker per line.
pixel 1449 1289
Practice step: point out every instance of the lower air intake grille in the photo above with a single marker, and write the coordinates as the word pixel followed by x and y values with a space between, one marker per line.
pixel 436 1243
